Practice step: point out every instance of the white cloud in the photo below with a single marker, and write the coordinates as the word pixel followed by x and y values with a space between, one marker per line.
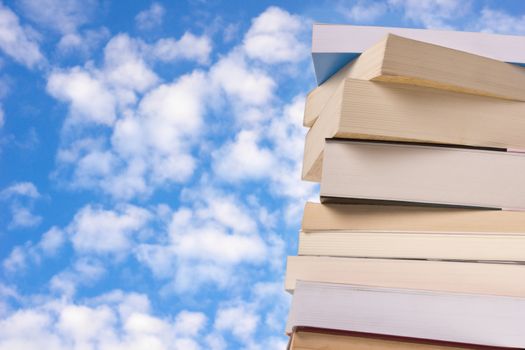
pixel 189 47
pixel 190 323
pixel 210 244
pixel 286 133
pixel 84 324
pixel 155 143
pixel 275 343
pixel 82 42
pixel 151 17
pixel 17 260
pixel 275 37
pixel 270 297
pixel 240 320
pixel 95 230
pixel 98 323
pixel 22 255
pixel 141 323
pixel 95 95
pixel 125 303
pixel 89 269
pixel 244 159
pixel 230 32
pixel 124 66
pixel 160 259
pixel 151 127
pixel 15 328
pixel 22 196
pixel 110 176
pixel 265 307
pixel 95 164
pixel 364 11
pixel 7 292
pixel 64 16
pixel 152 135
pixel 26 189
pixel 226 211
pixel 207 241
pixel 151 138
pixel 215 341
pixel 434 14
pixel 244 85
pixel 16 41
pixel 22 217
pixel 440 13
pixel 89 99
pixel 51 241
pixel 495 21
pixel 279 161
pixel 174 111
pixel 168 120
pixel 209 233
pixel 82 272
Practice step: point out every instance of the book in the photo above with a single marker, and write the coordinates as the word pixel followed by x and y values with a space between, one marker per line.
pixel 447 276
pixel 305 338
pixel 415 245
pixel 339 217
pixel 397 112
pixel 387 172
pixel 408 232
pixel 400 60
pixel 330 52
pixel 455 317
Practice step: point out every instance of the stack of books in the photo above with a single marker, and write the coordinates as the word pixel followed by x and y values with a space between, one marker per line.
pixel 417 138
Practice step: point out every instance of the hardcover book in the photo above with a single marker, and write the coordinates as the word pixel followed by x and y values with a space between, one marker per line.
pixel 305 338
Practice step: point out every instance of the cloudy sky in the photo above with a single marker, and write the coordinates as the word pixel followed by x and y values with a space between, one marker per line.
pixel 149 163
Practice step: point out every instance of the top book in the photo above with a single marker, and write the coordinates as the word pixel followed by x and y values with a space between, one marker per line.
pixel 330 53
pixel 397 59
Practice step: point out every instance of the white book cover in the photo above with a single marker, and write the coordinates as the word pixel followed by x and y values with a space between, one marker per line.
pixel 463 318
pixel 334 45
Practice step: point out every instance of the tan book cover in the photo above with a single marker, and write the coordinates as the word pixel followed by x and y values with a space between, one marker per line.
pixel 368 110
pixel 335 217
pixel 401 60
pixel 470 246
pixel 447 276
pixel 304 338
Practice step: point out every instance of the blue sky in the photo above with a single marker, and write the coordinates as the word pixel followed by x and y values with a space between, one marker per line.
pixel 150 156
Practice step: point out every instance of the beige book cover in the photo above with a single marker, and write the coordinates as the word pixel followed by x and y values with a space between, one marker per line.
pixel 469 246
pixel 447 276
pixel 411 232
pixel 402 60
pixel 370 110
pixel 409 173
pixel 391 218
